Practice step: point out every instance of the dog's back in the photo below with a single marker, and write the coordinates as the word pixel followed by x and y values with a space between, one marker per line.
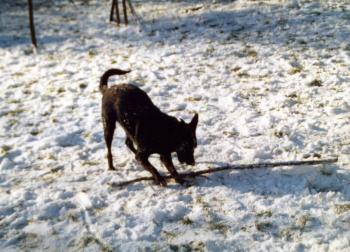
pixel 130 106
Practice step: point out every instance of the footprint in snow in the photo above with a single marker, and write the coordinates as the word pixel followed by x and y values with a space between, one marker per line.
pixel 122 162
pixel 179 107
pixel 70 139
pixel 6 164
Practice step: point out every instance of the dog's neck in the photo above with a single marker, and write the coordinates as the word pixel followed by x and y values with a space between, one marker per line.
pixel 178 132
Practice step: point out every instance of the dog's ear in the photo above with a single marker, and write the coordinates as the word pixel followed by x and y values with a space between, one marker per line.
pixel 194 122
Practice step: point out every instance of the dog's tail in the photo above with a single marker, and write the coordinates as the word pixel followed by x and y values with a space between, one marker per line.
pixel 107 74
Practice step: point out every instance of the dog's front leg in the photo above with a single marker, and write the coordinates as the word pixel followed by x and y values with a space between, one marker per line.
pixel 143 159
pixel 130 144
pixel 168 163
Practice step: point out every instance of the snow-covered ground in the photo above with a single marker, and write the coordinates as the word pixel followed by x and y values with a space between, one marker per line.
pixel 269 79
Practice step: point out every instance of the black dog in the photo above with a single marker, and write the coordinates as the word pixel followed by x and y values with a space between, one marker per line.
pixel 151 130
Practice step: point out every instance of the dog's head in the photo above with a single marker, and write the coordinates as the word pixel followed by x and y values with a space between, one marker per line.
pixel 189 142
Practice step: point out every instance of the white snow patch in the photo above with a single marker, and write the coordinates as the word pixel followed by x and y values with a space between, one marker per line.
pixel 269 80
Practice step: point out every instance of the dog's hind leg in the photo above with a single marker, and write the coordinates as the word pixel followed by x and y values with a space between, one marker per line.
pixel 168 163
pixel 130 144
pixel 109 128
pixel 143 159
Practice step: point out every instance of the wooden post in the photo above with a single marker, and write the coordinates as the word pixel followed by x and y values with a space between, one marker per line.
pixel 112 11
pixel 125 12
pixel 31 23
pixel 117 11
pixel 115 5
pixel 133 12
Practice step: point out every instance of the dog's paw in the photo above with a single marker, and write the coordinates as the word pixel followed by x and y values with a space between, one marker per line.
pixel 111 168
pixel 160 181
pixel 188 182
pixel 180 180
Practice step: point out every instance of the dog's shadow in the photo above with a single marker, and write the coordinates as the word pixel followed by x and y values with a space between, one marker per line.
pixel 276 182
pixel 279 181
pixel 213 163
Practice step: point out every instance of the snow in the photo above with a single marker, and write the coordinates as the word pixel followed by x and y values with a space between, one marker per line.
pixel 269 79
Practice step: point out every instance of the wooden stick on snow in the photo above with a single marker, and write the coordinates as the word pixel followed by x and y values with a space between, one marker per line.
pixel 231 167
